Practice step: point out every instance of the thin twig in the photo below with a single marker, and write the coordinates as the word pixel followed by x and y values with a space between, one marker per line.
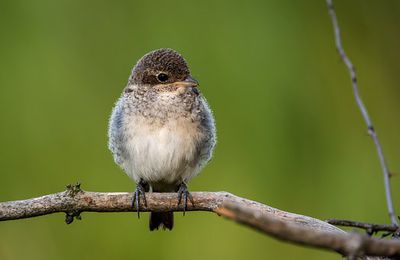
pixel 369 227
pixel 279 224
pixel 363 109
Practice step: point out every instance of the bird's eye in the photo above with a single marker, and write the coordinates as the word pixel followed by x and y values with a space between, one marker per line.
pixel 162 77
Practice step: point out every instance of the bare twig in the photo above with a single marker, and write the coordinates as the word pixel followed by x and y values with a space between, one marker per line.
pixel 363 109
pixel 369 227
pixel 279 224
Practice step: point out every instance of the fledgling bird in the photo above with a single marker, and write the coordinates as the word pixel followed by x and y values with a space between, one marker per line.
pixel 161 130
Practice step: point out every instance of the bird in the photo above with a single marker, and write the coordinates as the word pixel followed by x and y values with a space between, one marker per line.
pixel 161 130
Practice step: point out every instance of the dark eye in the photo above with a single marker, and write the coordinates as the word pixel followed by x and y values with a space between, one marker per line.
pixel 162 77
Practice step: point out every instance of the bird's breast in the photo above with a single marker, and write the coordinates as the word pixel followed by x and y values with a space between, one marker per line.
pixel 161 150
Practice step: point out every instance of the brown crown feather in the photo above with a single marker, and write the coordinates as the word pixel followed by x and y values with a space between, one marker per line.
pixel 162 60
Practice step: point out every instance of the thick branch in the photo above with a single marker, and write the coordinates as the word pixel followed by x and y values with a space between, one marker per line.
pixel 364 112
pixel 274 222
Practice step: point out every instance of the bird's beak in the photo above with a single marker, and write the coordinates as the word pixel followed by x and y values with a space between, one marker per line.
pixel 188 82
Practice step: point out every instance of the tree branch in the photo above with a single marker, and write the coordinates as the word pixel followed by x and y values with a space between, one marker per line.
pixel 364 112
pixel 279 224
pixel 369 227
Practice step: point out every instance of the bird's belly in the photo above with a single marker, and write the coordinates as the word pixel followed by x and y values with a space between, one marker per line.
pixel 166 154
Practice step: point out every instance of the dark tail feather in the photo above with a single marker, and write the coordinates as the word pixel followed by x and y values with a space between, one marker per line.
pixel 161 219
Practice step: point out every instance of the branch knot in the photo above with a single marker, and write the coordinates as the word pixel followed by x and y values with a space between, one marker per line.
pixel 73 189
pixel 70 216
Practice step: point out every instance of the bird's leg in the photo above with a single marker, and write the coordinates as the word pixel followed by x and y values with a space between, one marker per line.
pixel 141 188
pixel 184 192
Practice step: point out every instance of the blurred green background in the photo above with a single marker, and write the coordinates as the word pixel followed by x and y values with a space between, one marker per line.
pixel 289 132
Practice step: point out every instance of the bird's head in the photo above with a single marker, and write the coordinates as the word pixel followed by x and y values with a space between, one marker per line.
pixel 164 70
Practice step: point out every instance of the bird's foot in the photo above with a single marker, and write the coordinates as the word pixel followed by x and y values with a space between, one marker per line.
pixel 140 190
pixel 184 192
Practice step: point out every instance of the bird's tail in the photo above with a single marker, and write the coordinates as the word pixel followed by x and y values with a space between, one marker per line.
pixel 165 220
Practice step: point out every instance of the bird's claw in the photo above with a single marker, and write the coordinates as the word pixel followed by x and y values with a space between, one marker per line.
pixel 140 190
pixel 184 192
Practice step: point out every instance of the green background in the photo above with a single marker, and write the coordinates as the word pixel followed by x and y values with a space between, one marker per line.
pixel 289 132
